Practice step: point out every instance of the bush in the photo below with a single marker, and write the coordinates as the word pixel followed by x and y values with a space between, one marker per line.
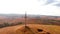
pixel 9 24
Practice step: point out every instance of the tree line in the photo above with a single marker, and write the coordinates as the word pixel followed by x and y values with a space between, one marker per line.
pixel 6 24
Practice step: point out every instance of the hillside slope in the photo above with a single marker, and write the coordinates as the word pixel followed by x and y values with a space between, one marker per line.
pixel 34 28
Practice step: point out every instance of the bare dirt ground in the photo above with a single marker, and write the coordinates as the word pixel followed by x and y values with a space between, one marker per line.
pixel 31 29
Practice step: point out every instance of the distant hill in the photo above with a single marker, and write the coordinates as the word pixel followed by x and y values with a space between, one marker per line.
pixel 37 19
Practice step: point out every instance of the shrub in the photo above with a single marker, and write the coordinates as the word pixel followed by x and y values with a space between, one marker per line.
pixel 9 24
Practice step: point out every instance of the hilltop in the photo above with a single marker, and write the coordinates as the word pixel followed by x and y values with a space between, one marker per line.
pixel 34 28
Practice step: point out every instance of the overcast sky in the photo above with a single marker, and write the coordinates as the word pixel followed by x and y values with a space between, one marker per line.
pixel 42 7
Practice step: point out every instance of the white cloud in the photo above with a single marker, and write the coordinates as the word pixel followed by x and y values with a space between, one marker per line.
pixel 31 6
pixel 17 6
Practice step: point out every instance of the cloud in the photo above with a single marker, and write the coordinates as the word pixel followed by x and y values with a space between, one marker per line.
pixel 58 5
pixel 31 6
pixel 50 7
pixel 51 2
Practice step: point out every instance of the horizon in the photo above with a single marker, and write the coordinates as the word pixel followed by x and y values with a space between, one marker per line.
pixel 29 14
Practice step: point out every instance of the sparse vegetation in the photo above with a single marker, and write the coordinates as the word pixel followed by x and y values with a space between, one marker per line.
pixel 8 24
pixel 48 21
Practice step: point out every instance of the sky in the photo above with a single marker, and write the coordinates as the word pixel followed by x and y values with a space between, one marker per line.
pixel 36 7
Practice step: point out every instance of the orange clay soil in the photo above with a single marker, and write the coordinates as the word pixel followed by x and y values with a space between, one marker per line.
pixel 31 29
